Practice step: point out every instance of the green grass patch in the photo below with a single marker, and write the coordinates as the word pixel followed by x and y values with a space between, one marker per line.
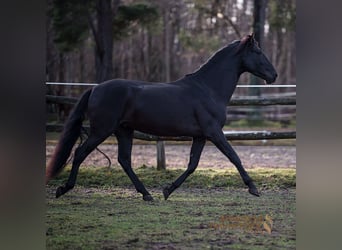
pixel 211 210
pixel 264 178
pixel 192 218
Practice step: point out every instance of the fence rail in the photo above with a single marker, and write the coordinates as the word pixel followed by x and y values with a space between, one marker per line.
pixel 245 101
pixel 230 135
pixel 238 86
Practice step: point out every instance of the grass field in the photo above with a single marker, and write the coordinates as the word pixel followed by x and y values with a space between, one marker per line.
pixel 211 210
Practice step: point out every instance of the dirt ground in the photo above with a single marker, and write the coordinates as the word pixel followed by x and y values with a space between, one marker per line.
pixel 177 156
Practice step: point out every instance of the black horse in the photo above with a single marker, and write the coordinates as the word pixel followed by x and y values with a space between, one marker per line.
pixel 194 106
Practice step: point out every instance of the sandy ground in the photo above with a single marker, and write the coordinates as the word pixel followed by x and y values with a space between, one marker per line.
pixel 177 156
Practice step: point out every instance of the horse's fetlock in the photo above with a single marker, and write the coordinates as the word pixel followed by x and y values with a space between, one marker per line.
pixel 248 181
pixel 69 186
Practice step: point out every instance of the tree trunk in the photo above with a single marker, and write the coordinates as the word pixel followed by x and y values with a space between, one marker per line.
pixel 81 64
pixel 259 21
pixel 63 110
pixel 288 58
pixel 104 39
pixel 167 43
pixel 258 30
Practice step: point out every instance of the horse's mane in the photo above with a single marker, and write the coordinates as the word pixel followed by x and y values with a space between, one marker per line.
pixel 230 48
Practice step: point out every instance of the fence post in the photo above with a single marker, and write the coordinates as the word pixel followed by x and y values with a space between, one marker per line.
pixel 161 165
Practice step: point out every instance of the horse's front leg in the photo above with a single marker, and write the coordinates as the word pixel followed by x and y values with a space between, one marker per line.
pixel 125 140
pixel 217 137
pixel 196 150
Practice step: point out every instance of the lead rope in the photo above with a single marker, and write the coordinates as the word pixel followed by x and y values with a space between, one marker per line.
pixel 84 135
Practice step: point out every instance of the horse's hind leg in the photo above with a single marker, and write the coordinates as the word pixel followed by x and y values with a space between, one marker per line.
pixel 125 140
pixel 80 154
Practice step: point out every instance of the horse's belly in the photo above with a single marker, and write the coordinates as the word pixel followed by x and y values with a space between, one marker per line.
pixel 169 131
pixel 164 125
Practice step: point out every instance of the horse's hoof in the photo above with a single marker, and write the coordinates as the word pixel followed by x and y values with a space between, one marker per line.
pixel 59 191
pixel 148 197
pixel 254 191
pixel 166 193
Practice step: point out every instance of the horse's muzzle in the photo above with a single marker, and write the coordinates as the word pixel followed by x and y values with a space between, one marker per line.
pixel 272 79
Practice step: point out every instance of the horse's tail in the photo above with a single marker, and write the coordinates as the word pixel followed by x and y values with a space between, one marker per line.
pixel 70 134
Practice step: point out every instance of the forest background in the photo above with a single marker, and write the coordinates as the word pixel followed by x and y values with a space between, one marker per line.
pixel 96 40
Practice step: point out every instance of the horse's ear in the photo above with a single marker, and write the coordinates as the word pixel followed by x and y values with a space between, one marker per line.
pixel 247 42
pixel 252 38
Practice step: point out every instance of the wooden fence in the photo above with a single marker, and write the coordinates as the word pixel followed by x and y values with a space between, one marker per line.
pixel 230 135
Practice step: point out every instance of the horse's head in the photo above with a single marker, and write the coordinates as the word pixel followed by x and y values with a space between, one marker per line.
pixel 254 61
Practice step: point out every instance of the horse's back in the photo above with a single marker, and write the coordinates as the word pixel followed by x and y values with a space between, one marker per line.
pixel 119 83
pixel 141 89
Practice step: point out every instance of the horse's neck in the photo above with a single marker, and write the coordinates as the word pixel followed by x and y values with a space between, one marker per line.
pixel 219 78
